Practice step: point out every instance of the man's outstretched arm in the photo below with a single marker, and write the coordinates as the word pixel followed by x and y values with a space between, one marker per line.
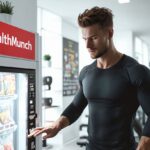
pixel 52 129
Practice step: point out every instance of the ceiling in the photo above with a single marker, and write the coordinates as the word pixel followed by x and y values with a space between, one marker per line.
pixel 132 16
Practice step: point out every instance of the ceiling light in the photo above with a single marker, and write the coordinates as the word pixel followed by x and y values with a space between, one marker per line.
pixel 124 1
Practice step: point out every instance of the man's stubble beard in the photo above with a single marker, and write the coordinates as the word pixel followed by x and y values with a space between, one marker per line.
pixel 100 54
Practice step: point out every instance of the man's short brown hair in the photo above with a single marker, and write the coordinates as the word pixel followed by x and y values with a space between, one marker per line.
pixel 96 15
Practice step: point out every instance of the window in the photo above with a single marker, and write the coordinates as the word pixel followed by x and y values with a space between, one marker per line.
pixel 141 51
pixel 138 50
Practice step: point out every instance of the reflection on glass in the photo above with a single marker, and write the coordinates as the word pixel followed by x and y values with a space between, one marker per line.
pixel 13 111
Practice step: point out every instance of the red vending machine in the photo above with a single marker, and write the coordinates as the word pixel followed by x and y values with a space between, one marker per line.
pixel 20 88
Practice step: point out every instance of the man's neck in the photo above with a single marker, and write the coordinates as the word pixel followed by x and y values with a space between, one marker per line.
pixel 109 59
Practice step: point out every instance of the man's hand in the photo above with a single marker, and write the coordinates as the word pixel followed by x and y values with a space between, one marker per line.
pixel 52 129
pixel 144 143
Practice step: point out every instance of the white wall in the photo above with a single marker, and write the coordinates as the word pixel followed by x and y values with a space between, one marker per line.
pixel 69 31
pixel 25 14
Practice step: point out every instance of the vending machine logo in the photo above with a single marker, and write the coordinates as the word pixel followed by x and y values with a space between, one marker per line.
pixel 13 41
pixel 16 42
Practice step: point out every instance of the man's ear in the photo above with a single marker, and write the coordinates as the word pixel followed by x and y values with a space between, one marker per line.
pixel 111 32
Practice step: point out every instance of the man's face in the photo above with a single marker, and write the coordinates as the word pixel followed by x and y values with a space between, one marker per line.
pixel 96 39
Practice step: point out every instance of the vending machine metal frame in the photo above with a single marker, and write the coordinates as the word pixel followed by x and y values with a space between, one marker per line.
pixel 15 64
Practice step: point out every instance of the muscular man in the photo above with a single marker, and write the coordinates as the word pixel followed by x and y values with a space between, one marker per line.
pixel 113 87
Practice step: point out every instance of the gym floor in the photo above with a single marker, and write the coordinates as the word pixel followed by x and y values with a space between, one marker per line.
pixel 71 146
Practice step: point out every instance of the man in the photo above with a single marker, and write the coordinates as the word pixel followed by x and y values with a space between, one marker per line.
pixel 113 87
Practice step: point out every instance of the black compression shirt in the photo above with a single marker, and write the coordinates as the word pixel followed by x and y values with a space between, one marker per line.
pixel 113 96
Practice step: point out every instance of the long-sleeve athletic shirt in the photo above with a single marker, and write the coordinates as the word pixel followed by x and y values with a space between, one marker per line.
pixel 113 96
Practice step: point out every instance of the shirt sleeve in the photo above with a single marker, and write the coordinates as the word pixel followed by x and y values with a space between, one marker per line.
pixel 140 76
pixel 74 110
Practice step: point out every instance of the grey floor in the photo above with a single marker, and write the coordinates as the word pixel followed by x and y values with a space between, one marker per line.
pixel 71 146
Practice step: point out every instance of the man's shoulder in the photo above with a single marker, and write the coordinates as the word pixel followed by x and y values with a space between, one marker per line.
pixel 87 68
pixel 138 72
pixel 129 62
pixel 138 69
pixel 134 65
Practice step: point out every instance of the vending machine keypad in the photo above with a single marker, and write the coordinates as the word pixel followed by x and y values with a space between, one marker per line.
pixel 31 109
